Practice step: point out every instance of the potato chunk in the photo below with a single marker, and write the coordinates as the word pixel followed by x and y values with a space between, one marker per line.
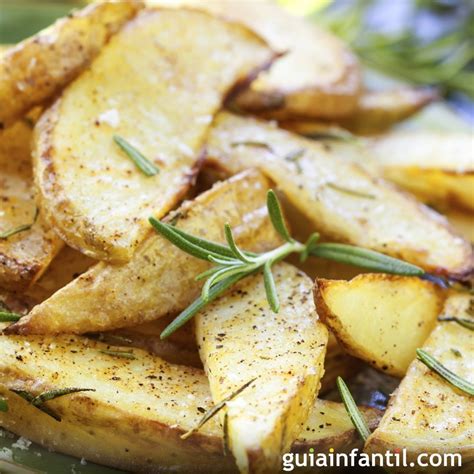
pixel 381 319
pixel 157 85
pixel 241 339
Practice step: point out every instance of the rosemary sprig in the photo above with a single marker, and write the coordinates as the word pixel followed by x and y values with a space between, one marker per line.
pixel 216 409
pixel 124 354
pixel 464 322
pixel 233 264
pixel 350 192
pixel 352 410
pixel 21 228
pixel 142 163
pixel 3 405
pixel 7 316
pixel 445 373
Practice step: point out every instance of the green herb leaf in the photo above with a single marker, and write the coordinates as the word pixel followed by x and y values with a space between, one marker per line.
pixel 216 409
pixel 276 216
pixel 22 228
pixel 270 288
pixel 350 192
pixel 365 258
pixel 464 322
pixel 124 354
pixel 7 316
pixel 352 410
pixel 294 157
pixel 446 374
pixel 3 405
pixel 309 245
pixel 237 253
pixel 52 394
pixel 142 163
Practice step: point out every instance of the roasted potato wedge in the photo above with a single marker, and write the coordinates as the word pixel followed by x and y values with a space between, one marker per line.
pixel 426 413
pixel 437 167
pixel 242 340
pixel 381 319
pixel 36 69
pixel 24 255
pixel 337 197
pixel 463 222
pixel 317 76
pixel 92 192
pixel 141 406
pixel 160 278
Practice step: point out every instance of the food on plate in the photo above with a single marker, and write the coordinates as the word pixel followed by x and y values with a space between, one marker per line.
pixel 160 278
pixel 141 405
pixel 462 221
pixel 337 197
pixel 34 70
pixel 278 355
pixel 437 167
pixel 381 319
pixel 328 80
pixel 426 413
pixel 145 112
pixel 27 243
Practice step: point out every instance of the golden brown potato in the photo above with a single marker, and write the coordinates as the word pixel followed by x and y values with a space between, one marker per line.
pixel 161 99
pixel 317 76
pixel 24 255
pixel 381 319
pixel 437 167
pixel 160 278
pixel 36 69
pixel 427 414
pixel 337 197
pixel 141 406
pixel 241 340
pixel 463 222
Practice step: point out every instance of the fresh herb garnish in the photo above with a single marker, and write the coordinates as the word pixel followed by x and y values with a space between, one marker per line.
pixel 446 374
pixel 294 157
pixel 464 322
pixel 233 264
pixel 124 354
pixel 141 162
pixel 39 400
pixel 352 410
pixel 22 228
pixel 350 192
pixel 7 316
pixel 216 409
pixel 456 352
pixel 3 405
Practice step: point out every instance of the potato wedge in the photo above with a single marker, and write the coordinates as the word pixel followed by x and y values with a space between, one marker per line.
pixel 242 340
pixel 160 99
pixel 327 80
pixel 337 197
pixel 463 222
pixel 36 69
pixel 140 406
pixel 381 319
pixel 437 167
pixel 426 414
pixel 25 255
pixel 112 296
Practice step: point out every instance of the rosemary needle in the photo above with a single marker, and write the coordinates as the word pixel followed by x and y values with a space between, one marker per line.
pixel 141 162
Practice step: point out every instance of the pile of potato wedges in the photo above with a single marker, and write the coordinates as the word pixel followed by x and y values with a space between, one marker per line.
pixel 226 100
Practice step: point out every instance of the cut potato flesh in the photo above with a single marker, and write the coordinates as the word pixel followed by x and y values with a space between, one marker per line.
pixel 381 319
pixel 463 222
pixel 24 255
pixel 161 99
pixel 337 197
pixel 242 340
pixel 160 278
pixel 427 414
pixel 36 69
pixel 437 167
pixel 317 76
pixel 140 406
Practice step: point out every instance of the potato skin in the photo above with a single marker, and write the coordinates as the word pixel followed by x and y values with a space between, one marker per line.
pixel 112 296
pixel 427 414
pixel 92 193
pixel 26 255
pixel 37 68
pixel 140 407
pixel 373 220
pixel 381 319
